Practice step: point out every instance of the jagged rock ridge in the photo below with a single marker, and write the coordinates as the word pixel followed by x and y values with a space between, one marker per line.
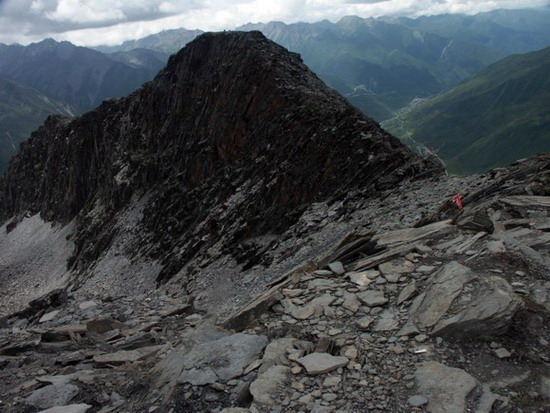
pixel 233 139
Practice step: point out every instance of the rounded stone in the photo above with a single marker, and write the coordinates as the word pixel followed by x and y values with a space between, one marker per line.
pixel 417 401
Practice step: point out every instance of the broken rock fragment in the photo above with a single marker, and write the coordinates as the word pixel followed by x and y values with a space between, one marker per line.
pixel 267 384
pixel 226 358
pixel 459 303
pixel 373 298
pixel 320 363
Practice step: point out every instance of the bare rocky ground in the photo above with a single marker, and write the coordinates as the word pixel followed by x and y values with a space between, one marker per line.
pixel 359 310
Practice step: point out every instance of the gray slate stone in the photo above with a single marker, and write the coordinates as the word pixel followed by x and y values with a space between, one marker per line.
pixel 53 395
pixel 417 401
pixel 337 267
pixel 351 302
pixel 445 285
pixel 227 357
pixel 407 292
pixel 372 298
pixel 127 356
pixel 199 377
pixel 71 408
pixel 314 307
pixel 267 384
pixel 49 316
pixel 394 269
pixel 361 279
pixel 320 363
pixel 544 387
pixel 502 353
pixel 276 353
pixel 387 322
pixel 460 304
pixel 445 387
pixel 87 305
pixel 490 311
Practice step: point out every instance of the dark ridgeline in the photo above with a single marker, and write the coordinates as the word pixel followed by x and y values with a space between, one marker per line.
pixel 234 138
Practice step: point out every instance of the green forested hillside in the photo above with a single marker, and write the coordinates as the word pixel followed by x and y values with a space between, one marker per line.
pixel 498 116
pixel 22 110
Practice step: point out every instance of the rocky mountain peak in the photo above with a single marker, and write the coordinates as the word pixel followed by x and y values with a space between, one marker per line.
pixel 233 139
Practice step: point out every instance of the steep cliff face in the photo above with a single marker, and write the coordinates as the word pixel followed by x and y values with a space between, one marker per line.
pixel 232 140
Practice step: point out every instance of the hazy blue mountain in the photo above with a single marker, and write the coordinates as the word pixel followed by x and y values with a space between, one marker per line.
pixel 382 64
pixel 391 64
pixel 505 31
pixel 22 110
pixel 167 41
pixel 499 115
pixel 78 76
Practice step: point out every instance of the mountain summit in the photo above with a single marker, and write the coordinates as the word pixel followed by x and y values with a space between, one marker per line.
pixel 233 140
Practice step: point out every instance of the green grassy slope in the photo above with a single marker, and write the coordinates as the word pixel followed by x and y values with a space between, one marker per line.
pixel 492 119
pixel 22 110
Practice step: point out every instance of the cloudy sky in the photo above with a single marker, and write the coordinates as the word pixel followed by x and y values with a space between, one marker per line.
pixel 93 22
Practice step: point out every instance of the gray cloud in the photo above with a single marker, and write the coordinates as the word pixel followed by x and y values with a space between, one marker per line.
pixel 366 1
pixel 31 18
pixel 90 22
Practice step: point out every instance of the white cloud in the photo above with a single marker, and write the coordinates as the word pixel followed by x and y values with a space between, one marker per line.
pixel 81 11
pixel 91 22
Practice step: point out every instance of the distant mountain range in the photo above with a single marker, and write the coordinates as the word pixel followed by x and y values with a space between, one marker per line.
pixel 167 41
pixel 79 76
pixel 499 115
pixel 60 78
pixel 382 64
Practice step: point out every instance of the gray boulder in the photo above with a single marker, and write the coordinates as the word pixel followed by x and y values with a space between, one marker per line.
pixel 461 304
pixel 446 388
pixel 222 359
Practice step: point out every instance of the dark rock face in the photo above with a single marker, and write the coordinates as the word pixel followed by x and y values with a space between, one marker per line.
pixel 233 139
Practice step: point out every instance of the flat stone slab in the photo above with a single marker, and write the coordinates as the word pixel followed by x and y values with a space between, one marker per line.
pixel 52 395
pixel 444 287
pixel 387 322
pixel 544 387
pixel 446 388
pixel 87 305
pixel 127 356
pixel 103 325
pixel 351 302
pixel 362 278
pixel 49 316
pixel 315 306
pixel 71 408
pixel 392 270
pixel 222 359
pixel 373 298
pixel 407 292
pixel 320 363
